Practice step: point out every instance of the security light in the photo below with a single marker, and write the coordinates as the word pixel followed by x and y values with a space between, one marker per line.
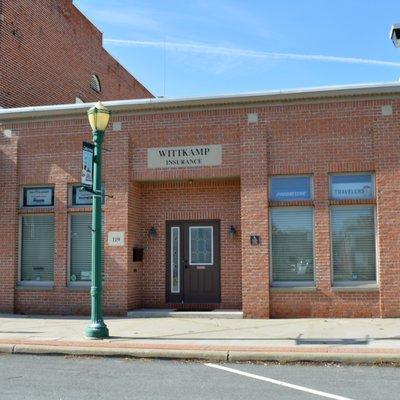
pixel 395 34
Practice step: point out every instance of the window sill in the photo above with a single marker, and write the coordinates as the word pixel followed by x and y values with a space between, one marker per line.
pixel 359 288
pixel 293 289
pixel 79 286
pixel 35 286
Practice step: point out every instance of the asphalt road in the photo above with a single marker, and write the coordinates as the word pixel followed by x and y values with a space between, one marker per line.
pixel 63 378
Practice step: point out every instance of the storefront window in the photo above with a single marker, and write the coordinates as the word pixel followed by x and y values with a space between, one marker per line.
pixel 292 245
pixel 352 186
pixel 81 247
pixel 37 248
pixel 353 244
pixel 290 188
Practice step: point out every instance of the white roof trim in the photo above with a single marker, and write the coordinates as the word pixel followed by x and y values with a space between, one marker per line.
pixel 221 100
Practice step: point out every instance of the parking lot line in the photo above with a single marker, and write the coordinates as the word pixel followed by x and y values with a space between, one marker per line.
pixel 276 382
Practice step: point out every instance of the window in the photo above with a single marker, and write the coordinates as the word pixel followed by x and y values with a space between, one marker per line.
pixel 353 244
pixel 95 83
pixel 352 186
pixel 353 230
pixel 292 246
pixel 201 245
pixel 38 197
pixel 82 198
pixel 290 188
pixel 175 259
pixel 81 247
pixel 37 248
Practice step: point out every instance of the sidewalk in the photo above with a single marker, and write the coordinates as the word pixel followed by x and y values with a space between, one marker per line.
pixel 336 340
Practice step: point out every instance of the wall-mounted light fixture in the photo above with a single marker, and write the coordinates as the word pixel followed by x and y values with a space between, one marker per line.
pixel 232 231
pixel 152 232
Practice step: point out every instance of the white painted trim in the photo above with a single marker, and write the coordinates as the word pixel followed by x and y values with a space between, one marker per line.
pixel 222 100
pixel 190 245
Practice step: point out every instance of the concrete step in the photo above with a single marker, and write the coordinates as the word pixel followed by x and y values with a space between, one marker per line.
pixel 171 313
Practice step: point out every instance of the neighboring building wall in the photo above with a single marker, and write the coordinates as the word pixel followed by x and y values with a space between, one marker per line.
pixel 49 51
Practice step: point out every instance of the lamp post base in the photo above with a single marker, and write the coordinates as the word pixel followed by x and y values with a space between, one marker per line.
pixel 97 330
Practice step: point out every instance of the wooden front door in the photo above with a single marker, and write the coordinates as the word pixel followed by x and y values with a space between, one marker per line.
pixel 193 261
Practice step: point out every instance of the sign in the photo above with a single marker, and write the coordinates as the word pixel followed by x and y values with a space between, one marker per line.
pixel 290 188
pixel 81 197
pixel 184 157
pixel 87 165
pixel 116 238
pixel 255 240
pixel 86 275
pixel 38 197
pixel 352 187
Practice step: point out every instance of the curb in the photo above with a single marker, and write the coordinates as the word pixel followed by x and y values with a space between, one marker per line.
pixel 288 357
pixel 208 355
pixel 203 355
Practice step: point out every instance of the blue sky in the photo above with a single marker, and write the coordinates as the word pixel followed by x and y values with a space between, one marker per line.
pixel 185 48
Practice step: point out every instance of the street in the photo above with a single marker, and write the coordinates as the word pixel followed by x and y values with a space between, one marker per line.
pixel 70 378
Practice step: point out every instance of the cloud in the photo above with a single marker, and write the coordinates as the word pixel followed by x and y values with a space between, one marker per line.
pixel 201 48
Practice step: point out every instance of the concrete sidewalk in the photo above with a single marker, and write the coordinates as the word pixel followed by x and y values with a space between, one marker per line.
pixel 337 340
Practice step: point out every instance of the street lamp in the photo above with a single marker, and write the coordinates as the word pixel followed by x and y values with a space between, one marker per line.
pixel 98 118
pixel 394 34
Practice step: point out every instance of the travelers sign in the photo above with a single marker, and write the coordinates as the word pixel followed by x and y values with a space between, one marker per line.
pixel 184 157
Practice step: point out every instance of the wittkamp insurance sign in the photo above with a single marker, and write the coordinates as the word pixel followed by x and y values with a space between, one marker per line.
pixel 184 157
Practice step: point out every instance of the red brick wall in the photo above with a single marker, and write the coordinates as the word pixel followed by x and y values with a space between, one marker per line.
pixel 316 138
pixel 49 50
pixel 219 200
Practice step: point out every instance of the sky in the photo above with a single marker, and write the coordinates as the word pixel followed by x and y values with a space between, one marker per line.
pixel 189 48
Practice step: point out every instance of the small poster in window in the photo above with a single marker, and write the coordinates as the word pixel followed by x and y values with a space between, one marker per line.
pixel 87 165
pixel 38 197
pixel 81 197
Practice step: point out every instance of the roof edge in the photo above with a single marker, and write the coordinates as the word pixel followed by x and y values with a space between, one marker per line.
pixel 79 109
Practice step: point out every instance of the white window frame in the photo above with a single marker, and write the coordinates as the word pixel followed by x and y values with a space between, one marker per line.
pixel 20 282
pixel 354 283
pixel 373 180
pixel 179 259
pixel 311 176
pixel 190 244
pixel 291 284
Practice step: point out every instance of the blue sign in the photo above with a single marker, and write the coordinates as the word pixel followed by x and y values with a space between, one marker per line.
pixel 290 188
pixel 352 186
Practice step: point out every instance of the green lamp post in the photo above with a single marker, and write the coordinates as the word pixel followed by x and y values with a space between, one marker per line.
pixel 98 119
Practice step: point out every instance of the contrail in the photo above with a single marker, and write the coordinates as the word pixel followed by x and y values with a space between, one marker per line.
pixel 238 52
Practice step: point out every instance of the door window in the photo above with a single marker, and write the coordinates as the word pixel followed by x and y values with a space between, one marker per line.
pixel 175 260
pixel 201 245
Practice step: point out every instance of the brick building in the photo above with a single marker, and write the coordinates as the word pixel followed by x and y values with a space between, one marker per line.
pixel 283 204
pixel 51 53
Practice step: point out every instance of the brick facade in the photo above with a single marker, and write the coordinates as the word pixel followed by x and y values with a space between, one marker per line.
pixel 317 135
pixel 49 51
